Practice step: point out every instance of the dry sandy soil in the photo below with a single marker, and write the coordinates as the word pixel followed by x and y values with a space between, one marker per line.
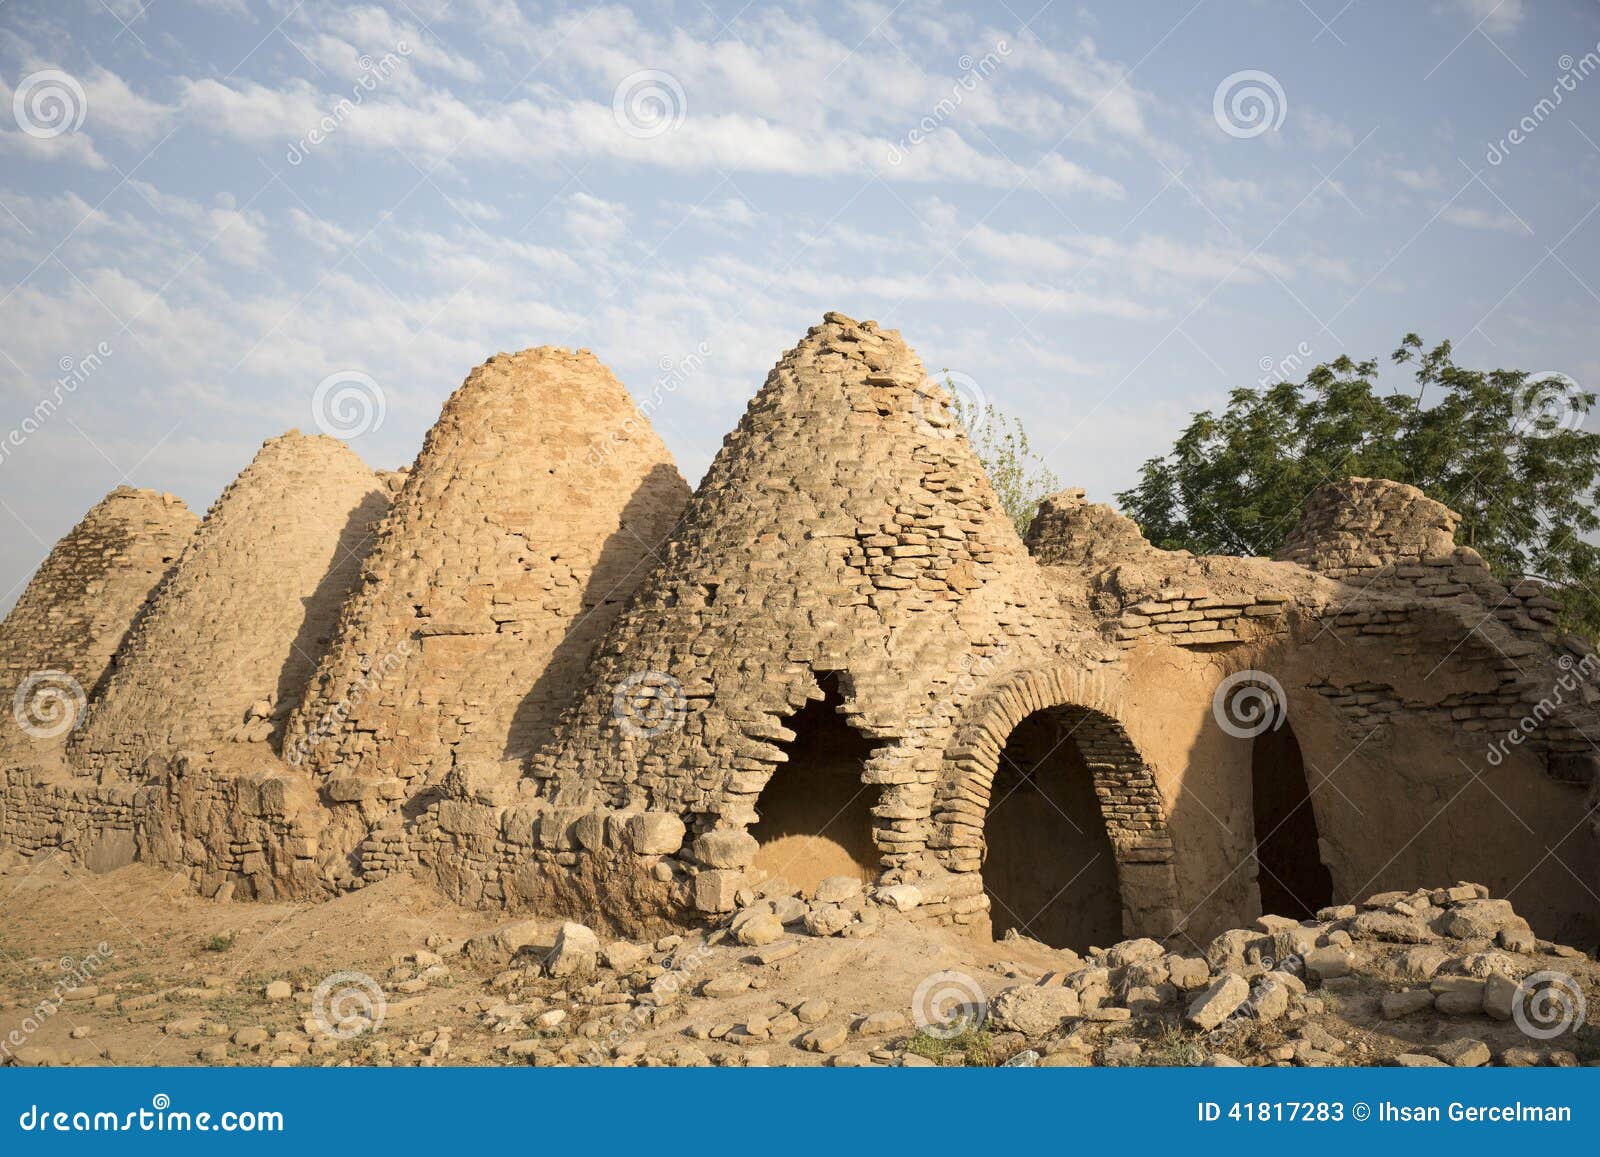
pixel 166 978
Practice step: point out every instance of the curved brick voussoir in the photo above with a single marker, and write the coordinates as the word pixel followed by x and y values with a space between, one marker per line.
pixel 533 509
pixel 846 551
pixel 58 640
pixel 224 650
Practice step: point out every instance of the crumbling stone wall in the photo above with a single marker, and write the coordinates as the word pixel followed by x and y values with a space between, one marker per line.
pixel 534 701
pixel 845 528
pixel 80 604
pixel 225 648
pixel 1402 663
pixel 537 503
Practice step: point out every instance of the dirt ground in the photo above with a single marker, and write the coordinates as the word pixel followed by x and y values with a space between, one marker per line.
pixel 132 968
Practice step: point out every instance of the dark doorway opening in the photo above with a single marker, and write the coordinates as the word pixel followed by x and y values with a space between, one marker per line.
pixel 1293 879
pixel 1049 867
pixel 815 813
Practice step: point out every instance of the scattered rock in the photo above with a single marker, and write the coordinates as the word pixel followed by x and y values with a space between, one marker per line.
pixel 1327 963
pixel 1033 1010
pixel 576 952
pixel 1218 1002
pixel 1463 1053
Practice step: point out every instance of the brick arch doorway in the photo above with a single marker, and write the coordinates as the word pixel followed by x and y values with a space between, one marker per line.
pixel 1049 869
pixel 1102 860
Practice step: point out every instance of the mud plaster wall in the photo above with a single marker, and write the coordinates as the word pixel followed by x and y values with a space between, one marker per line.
pixel 225 647
pixel 533 509
pixel 81 602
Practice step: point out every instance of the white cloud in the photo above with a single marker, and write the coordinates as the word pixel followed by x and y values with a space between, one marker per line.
pixel 1495 16
pixel 1471 218
pixel 594 222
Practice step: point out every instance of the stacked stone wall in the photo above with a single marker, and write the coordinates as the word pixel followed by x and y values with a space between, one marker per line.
pixel 225 648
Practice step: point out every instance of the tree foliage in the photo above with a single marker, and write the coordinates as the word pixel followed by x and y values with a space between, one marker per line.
pixel 1504 449
pixel 1020 476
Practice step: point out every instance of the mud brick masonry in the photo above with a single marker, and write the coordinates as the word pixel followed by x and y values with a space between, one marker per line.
pixel 537 669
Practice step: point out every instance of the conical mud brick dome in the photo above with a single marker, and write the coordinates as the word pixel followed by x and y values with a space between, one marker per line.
pixel 58 640
pixel 845 551
pixel 533 509
pixel 227 645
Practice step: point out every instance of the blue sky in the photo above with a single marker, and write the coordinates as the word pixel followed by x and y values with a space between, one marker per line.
pixel 200 222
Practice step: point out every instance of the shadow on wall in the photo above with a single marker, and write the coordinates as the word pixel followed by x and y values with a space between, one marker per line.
pixel 116 548
pixel 1050 871
pixel 1290 874
pixel 815 813
pixel 625 559
pixel 1345 804
pixel 322 609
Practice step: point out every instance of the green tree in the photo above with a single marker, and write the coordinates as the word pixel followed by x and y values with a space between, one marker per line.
pixel 1020 476
pixel 1504 449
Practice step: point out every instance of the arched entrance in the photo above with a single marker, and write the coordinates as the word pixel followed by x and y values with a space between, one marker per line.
pixel 1019 726
pixel 1293 879
pixel 815 814
pixel 1049 871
